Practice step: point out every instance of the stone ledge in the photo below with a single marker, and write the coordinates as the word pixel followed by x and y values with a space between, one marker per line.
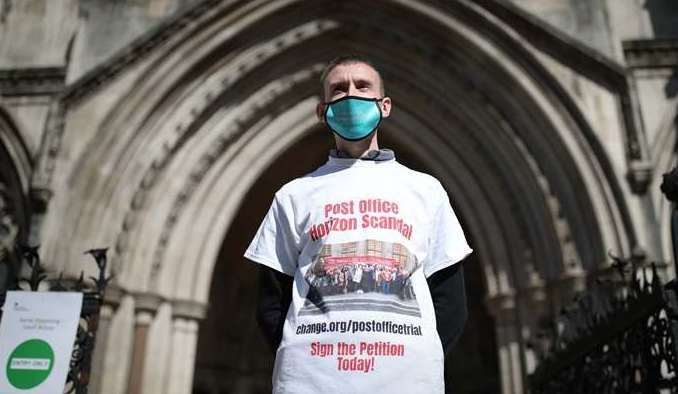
pixel 655 53
pixel 188 309
pixel 147 302
pixel 32 81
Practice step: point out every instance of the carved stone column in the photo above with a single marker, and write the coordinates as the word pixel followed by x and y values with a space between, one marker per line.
pixel 111 302
pixel 503 308
pixel 145 307
pixel 535 313
pixel 185 318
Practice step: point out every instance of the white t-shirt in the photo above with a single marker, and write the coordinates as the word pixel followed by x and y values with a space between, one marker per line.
pixel 360 238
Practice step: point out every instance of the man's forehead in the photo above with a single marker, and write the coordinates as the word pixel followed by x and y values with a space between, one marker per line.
pixel 348 71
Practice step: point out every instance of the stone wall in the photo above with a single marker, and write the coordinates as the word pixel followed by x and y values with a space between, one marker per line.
pixel 129 123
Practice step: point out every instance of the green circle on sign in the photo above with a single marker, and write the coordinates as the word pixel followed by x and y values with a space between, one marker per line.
pixel 30 364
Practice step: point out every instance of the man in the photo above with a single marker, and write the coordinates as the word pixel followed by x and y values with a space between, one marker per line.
pixel 361 208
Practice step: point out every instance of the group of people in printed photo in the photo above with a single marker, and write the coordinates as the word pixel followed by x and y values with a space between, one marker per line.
pixel 360 278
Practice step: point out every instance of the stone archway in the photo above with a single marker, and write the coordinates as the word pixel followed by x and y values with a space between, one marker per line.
pixel 186 134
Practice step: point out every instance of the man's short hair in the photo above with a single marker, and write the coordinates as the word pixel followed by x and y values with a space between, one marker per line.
pixel 348 59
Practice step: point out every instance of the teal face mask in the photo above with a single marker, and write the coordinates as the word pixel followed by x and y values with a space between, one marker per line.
pixel 353 118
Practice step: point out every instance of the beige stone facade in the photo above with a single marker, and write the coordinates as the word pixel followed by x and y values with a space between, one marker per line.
pixel 161 128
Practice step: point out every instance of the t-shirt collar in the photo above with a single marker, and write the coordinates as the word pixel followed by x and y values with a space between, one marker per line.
pixel 372 155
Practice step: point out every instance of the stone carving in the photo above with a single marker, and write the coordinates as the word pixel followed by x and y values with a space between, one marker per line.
pixel 8 228
pixel 222 141
pixel 106 72
pixel 9 232
pixel 32 81
pixel 210 157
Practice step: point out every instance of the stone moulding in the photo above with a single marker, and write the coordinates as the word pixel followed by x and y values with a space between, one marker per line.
pixel 594 65
pixel 37 81
pixel 591 63
pixel 655 53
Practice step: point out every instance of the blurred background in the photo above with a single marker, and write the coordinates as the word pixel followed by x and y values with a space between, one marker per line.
pixel 162 128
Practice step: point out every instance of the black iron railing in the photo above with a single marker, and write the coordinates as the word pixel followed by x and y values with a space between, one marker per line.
pixel 619 340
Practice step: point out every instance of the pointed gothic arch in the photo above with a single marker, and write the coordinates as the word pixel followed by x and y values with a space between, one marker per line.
pixel 187 130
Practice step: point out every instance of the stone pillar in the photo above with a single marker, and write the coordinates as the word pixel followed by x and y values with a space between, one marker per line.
pixel 529 306
pixel 111 302
pixel 158 350
pixel 534 314
pixel 508 332
pixel 115 371
pixel 145 307
pixel 185 318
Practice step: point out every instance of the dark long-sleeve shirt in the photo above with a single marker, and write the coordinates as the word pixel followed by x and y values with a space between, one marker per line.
pixel 446 286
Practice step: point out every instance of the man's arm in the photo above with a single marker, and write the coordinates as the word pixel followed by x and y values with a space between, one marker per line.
pixel 275 296
pixel 449 301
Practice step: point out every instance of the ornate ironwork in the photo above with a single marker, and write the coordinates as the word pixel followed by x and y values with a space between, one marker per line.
pixel 93 294
pixel 621 336
pixel 615 339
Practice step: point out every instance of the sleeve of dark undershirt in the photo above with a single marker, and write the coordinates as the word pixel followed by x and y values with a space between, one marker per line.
pixel 274 299
pixel 449 301
pixel 446 286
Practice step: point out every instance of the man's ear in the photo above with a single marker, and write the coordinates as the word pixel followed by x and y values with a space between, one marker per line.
pixel 385 105
pixel 320 111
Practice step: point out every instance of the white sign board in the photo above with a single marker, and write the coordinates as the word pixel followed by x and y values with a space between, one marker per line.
pixel 37 333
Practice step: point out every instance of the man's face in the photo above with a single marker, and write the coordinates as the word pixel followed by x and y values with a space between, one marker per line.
pixel 353 79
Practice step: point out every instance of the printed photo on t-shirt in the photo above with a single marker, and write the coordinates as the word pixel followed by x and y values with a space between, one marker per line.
pixel 368 275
